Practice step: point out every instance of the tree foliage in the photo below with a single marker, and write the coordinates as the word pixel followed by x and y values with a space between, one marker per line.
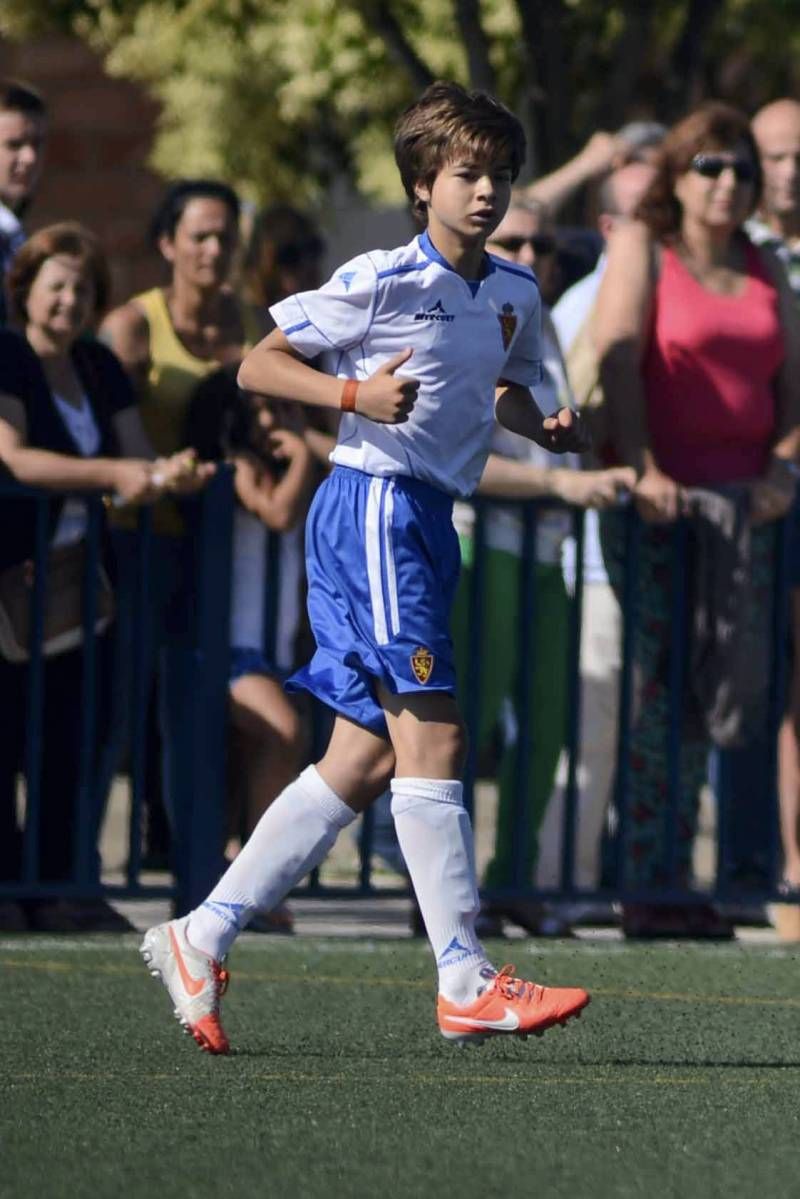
pixel 283 96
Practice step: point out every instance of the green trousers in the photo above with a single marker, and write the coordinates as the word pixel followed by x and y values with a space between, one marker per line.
pixel 547 712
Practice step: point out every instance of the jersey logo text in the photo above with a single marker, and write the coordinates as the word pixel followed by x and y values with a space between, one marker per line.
pixel 436 313
pixel 422 664
pixel 508 324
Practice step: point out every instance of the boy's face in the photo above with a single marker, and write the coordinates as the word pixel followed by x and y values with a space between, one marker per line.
pixel 21 152
pixel 467 199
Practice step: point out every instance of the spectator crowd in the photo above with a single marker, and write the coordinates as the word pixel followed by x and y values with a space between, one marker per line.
pixel 670 320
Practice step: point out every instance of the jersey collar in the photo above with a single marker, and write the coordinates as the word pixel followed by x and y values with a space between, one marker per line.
pixel 429 250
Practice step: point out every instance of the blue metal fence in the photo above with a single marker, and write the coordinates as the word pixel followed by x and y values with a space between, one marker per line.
pixel 200 702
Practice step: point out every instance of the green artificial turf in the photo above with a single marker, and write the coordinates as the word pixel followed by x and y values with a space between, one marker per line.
pixel 682 1079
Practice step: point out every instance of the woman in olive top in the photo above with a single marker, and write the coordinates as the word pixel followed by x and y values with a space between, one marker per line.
pixel 168 339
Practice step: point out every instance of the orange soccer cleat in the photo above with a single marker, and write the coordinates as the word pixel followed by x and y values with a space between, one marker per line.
pixel 509 1006
pixel 195 982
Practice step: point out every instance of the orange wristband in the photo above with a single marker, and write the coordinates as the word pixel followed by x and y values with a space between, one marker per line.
pixel 348 400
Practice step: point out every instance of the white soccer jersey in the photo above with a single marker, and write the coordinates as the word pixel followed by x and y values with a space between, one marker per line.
pixel 465 336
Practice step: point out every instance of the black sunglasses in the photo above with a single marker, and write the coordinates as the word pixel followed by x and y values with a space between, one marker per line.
pixel 711 166
pixel 540 243
pixel 294 252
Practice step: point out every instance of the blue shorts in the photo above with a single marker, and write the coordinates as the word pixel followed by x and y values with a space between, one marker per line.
pixel 382 559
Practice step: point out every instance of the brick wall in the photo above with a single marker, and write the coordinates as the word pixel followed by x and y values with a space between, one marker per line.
pixel 101 130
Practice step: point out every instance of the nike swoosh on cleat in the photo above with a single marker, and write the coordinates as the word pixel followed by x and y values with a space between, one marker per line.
pixel 509 1023
pixel 193 986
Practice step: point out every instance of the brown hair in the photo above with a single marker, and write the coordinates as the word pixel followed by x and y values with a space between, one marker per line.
pixel 67 238
pixel 19 97
pixel 446 122
pixel 281 235
pixel 712 126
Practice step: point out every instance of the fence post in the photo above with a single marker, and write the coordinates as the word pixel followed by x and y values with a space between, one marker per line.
pixel 141 651
pixel 677 666
pixel 85 852
pixel 527 621
pixel 630 616
pixel 779 670
pixel 202 721
pixel 573 730
pixel 34 714
pixel 473 682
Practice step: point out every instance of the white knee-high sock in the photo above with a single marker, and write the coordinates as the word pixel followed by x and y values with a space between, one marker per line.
pixel 291 838
pixel 435 835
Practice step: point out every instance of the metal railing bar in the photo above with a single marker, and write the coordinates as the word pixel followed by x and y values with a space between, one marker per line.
pixel 573 725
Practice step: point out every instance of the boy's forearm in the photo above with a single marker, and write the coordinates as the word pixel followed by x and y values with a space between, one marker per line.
pixel 517 411
pixel 282 376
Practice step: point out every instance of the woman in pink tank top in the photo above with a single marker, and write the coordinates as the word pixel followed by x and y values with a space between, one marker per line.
pixel 700 362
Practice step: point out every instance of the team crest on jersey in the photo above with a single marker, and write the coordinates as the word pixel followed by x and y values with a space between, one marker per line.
pixel 347 278
pixel 422 664
pixel 508 324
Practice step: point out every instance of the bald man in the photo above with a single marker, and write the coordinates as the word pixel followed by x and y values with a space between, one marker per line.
pixel 776 129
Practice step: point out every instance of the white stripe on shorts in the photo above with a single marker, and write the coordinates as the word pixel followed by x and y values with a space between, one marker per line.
pixel 372 546
pixel 391 575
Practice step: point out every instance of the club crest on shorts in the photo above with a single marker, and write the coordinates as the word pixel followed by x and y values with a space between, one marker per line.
pixel 508 324
pixel 422 664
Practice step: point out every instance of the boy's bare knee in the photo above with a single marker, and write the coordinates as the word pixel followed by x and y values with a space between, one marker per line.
pixel 379 776
pixel 357 764
pixel 432 750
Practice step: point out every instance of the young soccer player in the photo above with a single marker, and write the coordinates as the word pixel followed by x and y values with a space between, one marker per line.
pixel 424 344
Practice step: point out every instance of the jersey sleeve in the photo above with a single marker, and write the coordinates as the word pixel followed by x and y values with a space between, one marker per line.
pixel 524 362
pixel 336 316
